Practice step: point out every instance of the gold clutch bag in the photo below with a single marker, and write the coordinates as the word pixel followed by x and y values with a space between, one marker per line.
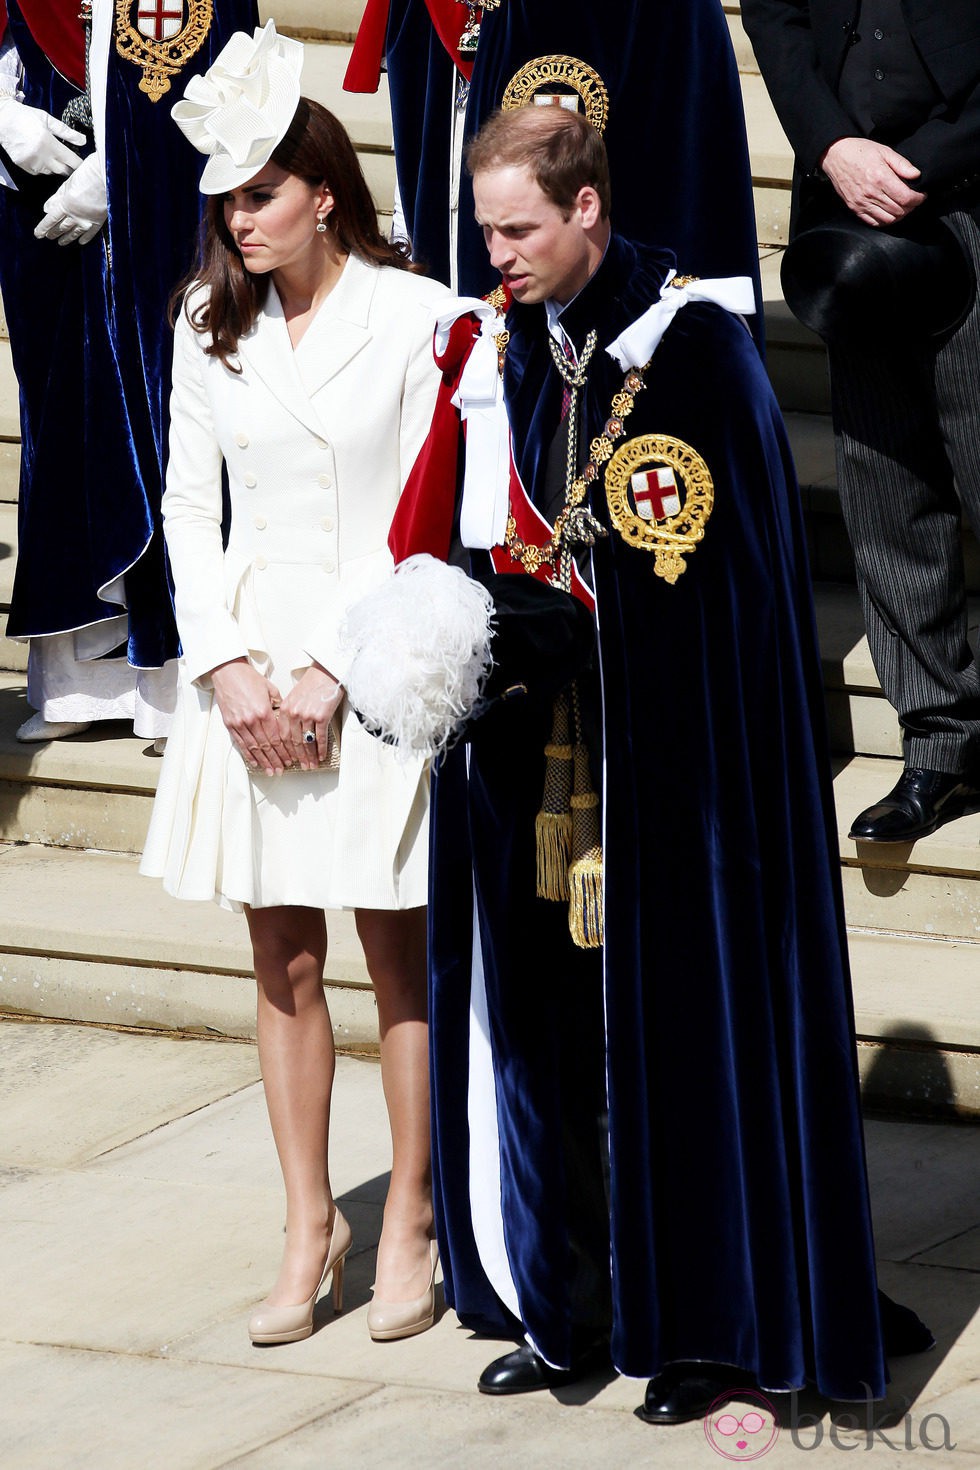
pixel 332 762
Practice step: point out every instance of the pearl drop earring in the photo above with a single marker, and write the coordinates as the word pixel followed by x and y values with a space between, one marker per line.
pixel 321 225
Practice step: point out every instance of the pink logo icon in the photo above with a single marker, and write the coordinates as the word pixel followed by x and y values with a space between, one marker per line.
pixel 744 1429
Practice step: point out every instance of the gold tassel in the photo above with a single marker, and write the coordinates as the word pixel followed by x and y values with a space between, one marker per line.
pixel 585 912
pixel 585 917
pixel 553 824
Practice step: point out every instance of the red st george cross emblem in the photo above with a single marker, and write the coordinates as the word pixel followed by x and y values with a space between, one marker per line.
pixel 159 19
pixel 655 493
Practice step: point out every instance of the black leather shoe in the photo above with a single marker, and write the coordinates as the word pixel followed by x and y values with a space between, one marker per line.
pixel 919 803
pixel 903 1332
pixel 523 1371
pixel 671 1399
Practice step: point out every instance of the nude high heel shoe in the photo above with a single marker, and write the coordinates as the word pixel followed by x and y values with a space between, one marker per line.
pixel 390 1320
pixel 269 1325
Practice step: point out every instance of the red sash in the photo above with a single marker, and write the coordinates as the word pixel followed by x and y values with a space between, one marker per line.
pixel 448 18
pixel 423 521
pixel 56 28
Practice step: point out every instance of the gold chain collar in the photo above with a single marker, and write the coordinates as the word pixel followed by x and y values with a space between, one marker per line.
pixel 574 523
pixel 571 524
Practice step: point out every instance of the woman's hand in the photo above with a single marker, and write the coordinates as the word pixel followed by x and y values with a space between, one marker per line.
pixel 310 705
pixel 248 703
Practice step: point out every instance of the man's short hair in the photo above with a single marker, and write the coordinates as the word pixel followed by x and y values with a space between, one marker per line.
pixel 562 151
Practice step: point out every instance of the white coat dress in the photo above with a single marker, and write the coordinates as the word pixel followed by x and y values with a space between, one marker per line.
pixel 317 443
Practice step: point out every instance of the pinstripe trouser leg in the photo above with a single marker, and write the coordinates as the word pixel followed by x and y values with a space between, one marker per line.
pixel 907 431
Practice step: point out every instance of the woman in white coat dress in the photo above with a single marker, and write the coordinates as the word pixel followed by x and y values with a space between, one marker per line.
pixel 303 365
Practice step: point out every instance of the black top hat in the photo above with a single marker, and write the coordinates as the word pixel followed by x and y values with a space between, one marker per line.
pixel 854 283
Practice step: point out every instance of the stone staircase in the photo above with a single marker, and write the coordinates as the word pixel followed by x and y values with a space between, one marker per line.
pixel 82 936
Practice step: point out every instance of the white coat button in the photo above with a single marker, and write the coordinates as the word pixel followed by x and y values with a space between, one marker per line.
pixel 260 523
pixel 324 481
pixel 251 482
pixel 329 566
pixel 241 440
pixel 260 563
pixel 322 444
pixel 327 523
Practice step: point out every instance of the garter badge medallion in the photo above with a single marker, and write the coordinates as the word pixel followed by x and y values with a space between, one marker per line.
pixel 161 36
pixel 660 495
pixel 559 81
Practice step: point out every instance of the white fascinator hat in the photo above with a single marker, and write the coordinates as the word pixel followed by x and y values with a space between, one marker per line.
pixel 240 109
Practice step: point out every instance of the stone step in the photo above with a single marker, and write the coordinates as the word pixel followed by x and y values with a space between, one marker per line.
pixel 741 45
pixel 917 1016
pixel 366 115
pixel 92 791
pixel 13 656
pixel 320 20
pixel 913 915
pixel 953 852
pixel 86 938
pixel 95 789
pixel 859 716
pixel 772 162
pixel 9 398
pixel 8 550
pixel 9 469
pixel 795 357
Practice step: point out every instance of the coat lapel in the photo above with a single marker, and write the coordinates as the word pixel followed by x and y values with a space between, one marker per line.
pixel 268 352
pixel 339 329
pixel 337 334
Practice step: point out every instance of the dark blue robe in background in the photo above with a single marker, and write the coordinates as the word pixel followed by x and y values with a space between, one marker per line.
pixel 739 1229
pixel 675 137
pixel 92 351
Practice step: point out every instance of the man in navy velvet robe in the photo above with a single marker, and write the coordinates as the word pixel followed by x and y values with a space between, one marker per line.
pixel 656 1145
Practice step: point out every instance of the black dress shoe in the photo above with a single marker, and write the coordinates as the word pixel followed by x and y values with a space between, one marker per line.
pixel 903 1332
pixel 523 1371
pixel 673 1399
pixel 919 803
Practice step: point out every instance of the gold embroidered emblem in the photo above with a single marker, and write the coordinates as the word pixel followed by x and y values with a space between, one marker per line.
pixel 149 43
pixel 568 71
pixel 650 509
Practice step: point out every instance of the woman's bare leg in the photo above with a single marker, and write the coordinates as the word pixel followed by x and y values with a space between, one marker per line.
pixel 394 946
pixel 296 1053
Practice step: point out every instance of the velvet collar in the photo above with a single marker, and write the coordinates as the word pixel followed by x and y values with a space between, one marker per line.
pixel 628 280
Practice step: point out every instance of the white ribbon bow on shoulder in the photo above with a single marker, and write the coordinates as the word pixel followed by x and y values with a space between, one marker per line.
pixel 639 342
pixel 480 400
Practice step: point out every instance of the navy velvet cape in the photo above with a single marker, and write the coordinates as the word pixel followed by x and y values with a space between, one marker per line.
pixel 92 352
pixel 676 134
pixel 739 1220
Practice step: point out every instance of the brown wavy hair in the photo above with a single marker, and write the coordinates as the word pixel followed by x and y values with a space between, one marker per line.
pixel 316 148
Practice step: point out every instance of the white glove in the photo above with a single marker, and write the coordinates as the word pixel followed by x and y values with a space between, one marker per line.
pixel 35 140
pixel 78 210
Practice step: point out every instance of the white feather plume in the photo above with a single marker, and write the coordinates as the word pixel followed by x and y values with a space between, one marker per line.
pixel 420 653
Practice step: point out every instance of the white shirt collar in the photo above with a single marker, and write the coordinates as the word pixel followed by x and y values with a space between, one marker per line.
pixel 553 311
